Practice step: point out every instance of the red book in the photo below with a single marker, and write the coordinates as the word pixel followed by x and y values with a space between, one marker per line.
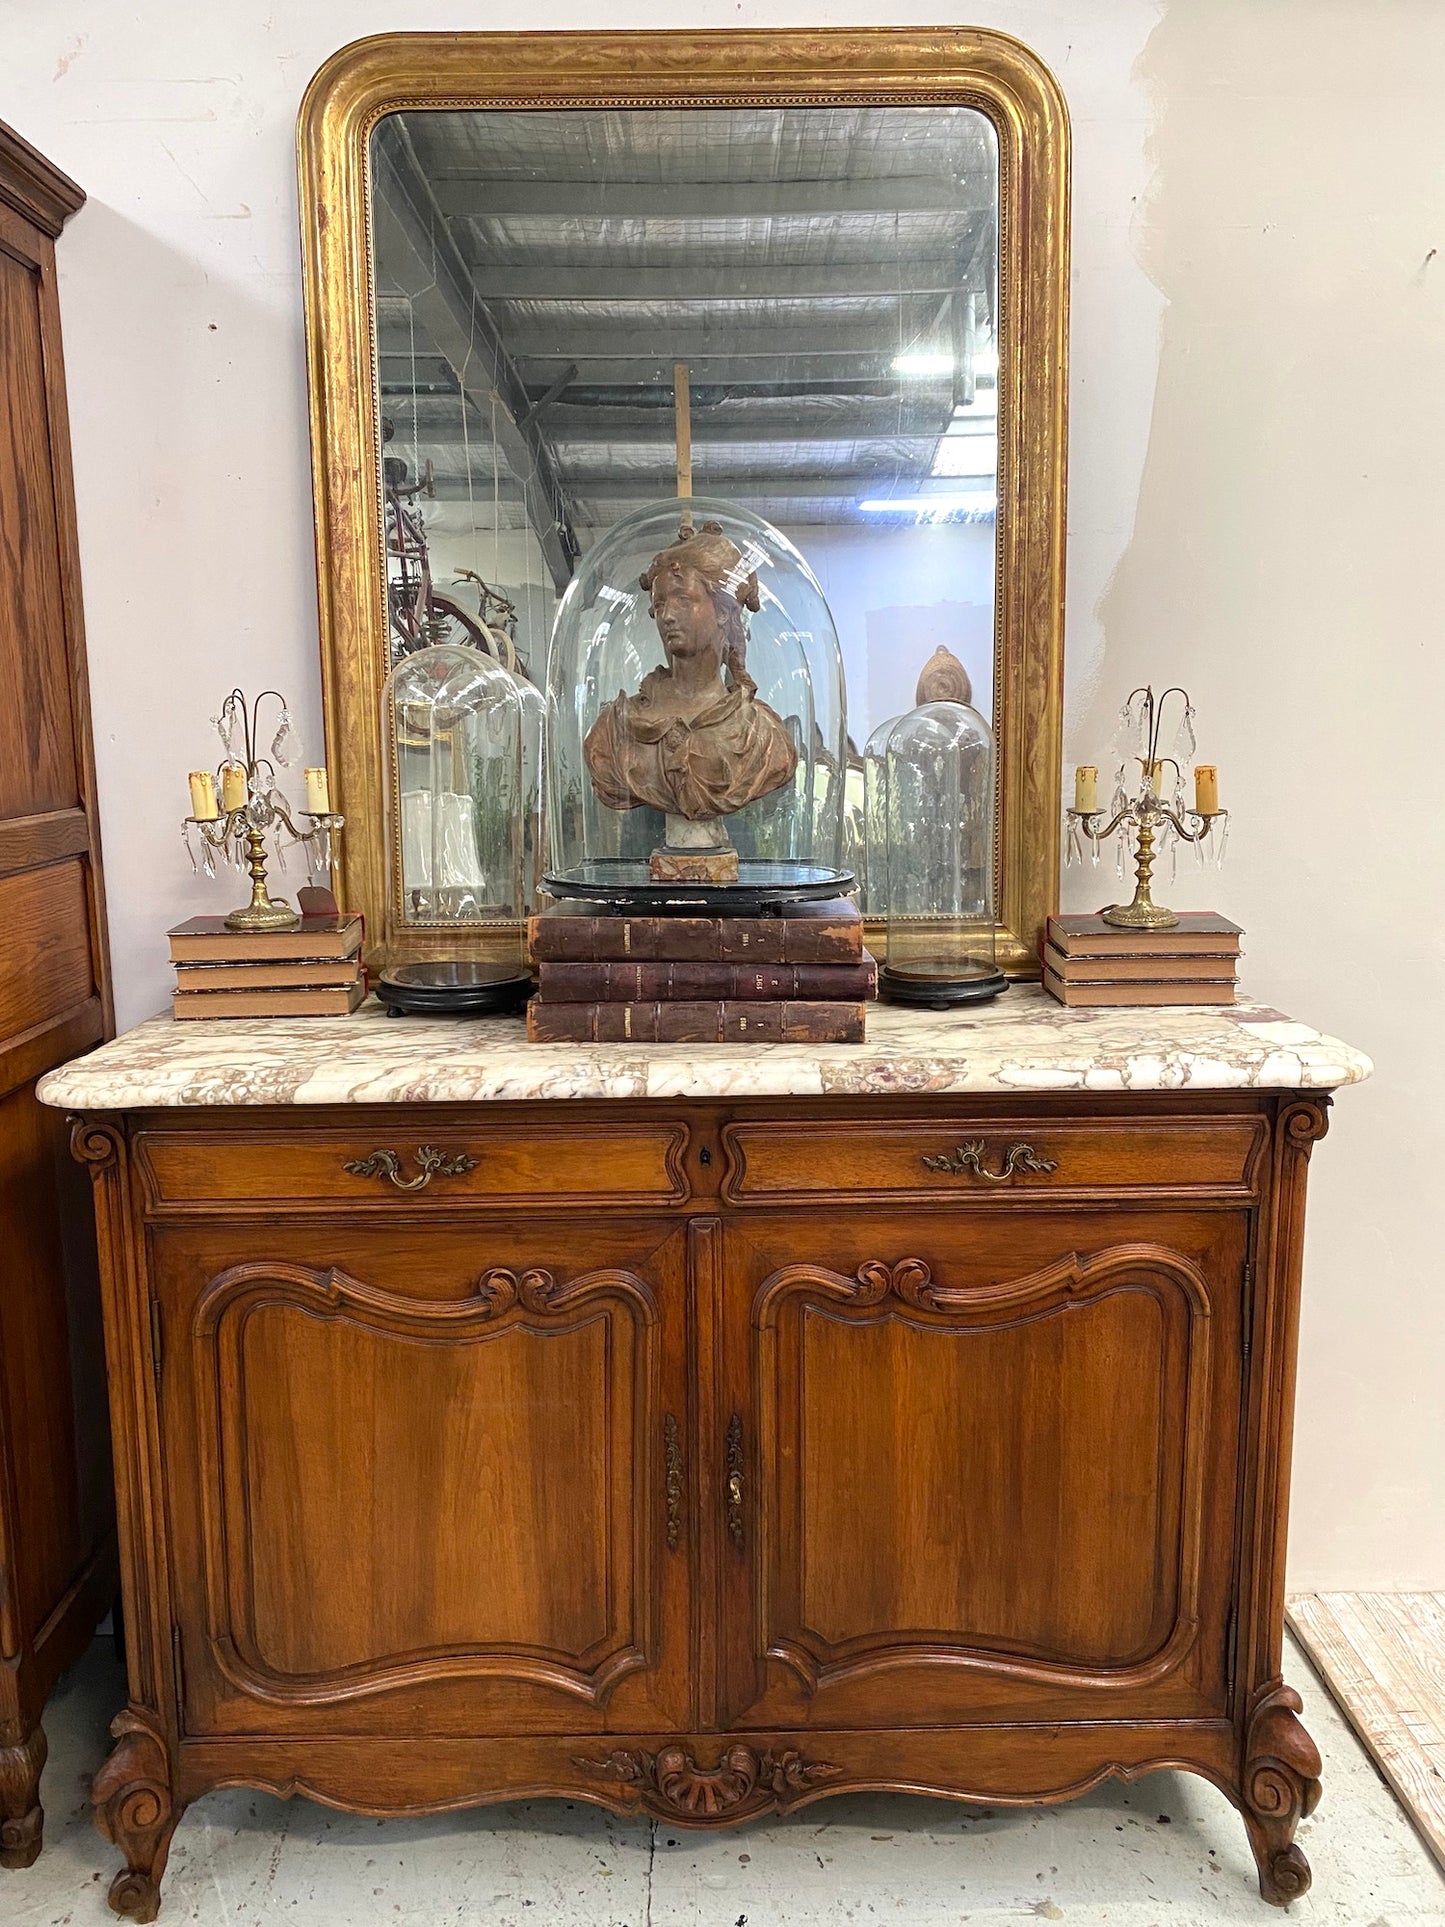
pixel 586 983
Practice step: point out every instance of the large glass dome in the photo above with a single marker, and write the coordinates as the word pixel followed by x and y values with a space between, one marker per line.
pixel 696 722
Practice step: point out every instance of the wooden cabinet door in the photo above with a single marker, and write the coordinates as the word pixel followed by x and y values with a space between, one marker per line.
pixel 426 1480
pixel 982 1465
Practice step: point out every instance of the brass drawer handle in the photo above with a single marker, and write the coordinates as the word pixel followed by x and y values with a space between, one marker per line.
pixel 431 1163
pixel 967 1161
pixel 673 1482
pixel 735 1481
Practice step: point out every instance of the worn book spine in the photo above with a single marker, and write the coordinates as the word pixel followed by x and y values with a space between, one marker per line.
pixel 1110 970
pixel 1104 996
pixel 321 973
pixel 746 940
pixel 267 1003
pixel 586 983
pixel 265 946
pixel 721 1021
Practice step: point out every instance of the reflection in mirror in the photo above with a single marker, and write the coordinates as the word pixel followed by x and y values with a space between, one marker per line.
pixel 820 281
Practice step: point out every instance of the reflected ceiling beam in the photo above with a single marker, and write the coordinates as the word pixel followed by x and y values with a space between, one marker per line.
pixel 835 373
pixel 569 338
pixel 491 200
pixel 421 257
pixel 686 281
pixel 840 486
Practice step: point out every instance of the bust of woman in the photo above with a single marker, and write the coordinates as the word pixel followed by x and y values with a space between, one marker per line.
pixel 694 741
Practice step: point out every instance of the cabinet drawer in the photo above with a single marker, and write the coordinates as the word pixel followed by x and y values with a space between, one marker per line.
pixel 993 1161
pixel 417 1160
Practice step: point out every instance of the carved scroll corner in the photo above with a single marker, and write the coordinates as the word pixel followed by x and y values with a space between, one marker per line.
pixel 1305 1120
pixel 95 1142
pixel 674 1784
pixel 1279 1786
pixel 500 1288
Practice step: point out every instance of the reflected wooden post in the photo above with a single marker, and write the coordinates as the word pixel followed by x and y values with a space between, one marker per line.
pixel 682 411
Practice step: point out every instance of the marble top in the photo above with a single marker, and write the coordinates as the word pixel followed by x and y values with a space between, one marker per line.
pixel 1022 1043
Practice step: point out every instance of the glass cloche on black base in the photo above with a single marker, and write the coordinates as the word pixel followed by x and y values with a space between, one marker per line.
pixel 697 734
pixel 463 744
pixel 936 806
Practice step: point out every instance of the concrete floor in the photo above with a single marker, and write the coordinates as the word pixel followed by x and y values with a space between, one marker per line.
pixel 1169 1852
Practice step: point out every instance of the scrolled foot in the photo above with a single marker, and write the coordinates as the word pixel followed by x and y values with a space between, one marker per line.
pixel 1279 1787
pixel 134 1809
pixel 22 1822
pixel 134 1896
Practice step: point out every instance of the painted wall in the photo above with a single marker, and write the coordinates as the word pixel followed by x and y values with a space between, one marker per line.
pixel 1257 486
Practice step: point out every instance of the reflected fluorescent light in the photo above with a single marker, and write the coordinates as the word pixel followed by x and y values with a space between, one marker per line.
pixel 923 364
pixel 934 508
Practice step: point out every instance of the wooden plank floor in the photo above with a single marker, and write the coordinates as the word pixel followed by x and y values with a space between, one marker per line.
pixel 1382 1655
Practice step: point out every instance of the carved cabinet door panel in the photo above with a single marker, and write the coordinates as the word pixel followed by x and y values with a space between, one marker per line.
pixel 979 1466
pixel 426 1480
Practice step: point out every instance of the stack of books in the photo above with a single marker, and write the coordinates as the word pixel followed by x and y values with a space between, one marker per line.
pixel 313 970
pixel 1090 962
pixel 799 977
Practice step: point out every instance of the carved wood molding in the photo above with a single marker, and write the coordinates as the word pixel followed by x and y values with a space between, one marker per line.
pixel 134 1809
pixel 880 1286
pixel 910 1282
pixel 218 1327
pixel 1279 1786
pixel 674 1785
pixel 21 1818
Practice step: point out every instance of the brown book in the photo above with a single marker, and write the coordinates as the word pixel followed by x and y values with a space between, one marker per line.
pixel 269 1003
pixel 1198 933
pixel 323 973
pixel 1100 996
pixel 725 1021
pixel 586 983
pixel 207 940
pixel 808 933
pixel 1112 970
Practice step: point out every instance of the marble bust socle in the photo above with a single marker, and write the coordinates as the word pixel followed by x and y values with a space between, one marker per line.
pixel 695 741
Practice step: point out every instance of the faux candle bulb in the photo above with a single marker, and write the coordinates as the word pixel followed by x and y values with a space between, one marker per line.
pixel 233 786
pixel 1206 789
pixel 203 796
pixel 318 793
pixel 1086 789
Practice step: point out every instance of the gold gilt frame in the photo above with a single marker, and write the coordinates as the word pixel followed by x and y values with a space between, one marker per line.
pixel 791 66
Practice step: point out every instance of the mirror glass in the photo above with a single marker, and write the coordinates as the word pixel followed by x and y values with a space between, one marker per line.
pixel 804 300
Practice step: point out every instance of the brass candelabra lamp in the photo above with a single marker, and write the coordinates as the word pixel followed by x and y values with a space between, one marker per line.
pixel 1153 817
pixel 238 806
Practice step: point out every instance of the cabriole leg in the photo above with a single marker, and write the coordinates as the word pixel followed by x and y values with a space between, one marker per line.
pixel 1279 1787
pixel 135 1810
pixel 21 1818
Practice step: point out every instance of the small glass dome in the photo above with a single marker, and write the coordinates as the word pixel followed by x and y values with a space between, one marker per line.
pixel 697 739
pixel 937 802
pixel 873 877
pixel 463 803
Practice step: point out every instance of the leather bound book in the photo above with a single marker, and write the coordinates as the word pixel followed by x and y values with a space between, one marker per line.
pixel 722 1021
pixel 1198 933
pixel 1101 996
pixel 1207 967
pixel 586 983
pixel 315 1002
pixel 207 940
pixel 810 933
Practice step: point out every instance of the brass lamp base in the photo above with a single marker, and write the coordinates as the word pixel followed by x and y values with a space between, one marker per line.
pixel 273 914
pixel 1140 916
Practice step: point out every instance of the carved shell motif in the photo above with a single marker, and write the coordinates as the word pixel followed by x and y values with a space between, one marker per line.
pixel 675 1782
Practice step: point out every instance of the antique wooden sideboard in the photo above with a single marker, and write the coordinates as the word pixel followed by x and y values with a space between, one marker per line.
pixel 703 1431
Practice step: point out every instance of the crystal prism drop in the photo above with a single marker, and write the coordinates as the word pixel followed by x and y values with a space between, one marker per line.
pixel 1184 741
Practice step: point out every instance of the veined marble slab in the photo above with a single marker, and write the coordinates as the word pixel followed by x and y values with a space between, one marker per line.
pixel 1025 1042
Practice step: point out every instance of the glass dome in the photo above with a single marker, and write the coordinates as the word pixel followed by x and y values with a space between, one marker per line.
pixel 697 738
pixel 937 802
pixel 873 876
pixel 463 803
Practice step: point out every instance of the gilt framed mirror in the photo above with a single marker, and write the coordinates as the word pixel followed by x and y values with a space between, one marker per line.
pixel 848 250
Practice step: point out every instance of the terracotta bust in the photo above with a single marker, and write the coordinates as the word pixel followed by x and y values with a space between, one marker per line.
pixel 694 741
pixel 944 680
